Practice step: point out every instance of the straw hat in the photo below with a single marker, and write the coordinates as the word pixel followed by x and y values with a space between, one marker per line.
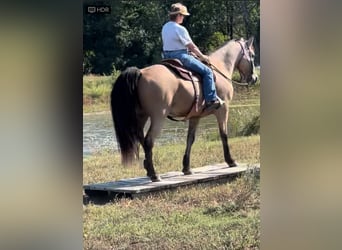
pixel 178 8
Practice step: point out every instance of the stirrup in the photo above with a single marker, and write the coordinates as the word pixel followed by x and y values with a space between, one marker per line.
pixel 220 100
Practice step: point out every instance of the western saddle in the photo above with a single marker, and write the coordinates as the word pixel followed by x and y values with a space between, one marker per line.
pixel 177 67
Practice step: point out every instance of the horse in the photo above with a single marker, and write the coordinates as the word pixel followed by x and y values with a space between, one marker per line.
pixel 155 92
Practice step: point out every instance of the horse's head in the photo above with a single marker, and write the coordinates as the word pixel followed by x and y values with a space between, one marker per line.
pixel 245 64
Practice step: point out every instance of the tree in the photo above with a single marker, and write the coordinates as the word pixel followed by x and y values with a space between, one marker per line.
pixel 131 33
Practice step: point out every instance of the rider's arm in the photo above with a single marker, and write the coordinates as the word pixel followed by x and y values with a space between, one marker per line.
pixel 193 48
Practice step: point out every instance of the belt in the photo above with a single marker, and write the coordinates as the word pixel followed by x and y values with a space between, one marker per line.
pixel 185 50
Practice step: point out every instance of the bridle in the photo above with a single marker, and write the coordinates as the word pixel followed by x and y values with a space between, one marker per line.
pixel 226 77
pixel 248 56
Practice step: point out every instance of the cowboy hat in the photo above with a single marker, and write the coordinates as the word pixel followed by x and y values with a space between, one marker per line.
pixel 178 8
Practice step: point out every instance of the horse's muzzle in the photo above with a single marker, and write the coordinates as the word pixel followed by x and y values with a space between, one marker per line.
pixel 253 79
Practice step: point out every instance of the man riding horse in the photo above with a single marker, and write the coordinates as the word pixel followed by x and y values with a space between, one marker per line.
pixel 176 44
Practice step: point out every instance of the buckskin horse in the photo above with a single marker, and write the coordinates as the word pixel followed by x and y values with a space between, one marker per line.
pixel 157 92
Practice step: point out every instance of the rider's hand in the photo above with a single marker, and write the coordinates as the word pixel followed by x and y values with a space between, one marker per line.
pixel 205 58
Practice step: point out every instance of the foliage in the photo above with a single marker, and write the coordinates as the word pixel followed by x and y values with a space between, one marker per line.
pixel 130 34
pixel 216 40
pixel 252 128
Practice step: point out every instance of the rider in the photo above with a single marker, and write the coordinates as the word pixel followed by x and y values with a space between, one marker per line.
pixel 177 43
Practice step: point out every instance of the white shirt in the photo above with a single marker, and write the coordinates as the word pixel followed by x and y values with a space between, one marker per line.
pixel 175 36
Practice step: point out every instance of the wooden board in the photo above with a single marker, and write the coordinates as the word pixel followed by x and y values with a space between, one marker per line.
pixel 134 187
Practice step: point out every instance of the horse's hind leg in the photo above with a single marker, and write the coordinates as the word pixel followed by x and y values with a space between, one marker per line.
pixel 141 118
pixel 193 123
pixel 222 120
pixel 153 132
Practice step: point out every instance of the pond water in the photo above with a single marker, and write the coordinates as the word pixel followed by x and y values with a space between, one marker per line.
pixel 98 132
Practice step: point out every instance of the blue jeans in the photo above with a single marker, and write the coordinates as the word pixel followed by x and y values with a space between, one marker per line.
pixel 191 63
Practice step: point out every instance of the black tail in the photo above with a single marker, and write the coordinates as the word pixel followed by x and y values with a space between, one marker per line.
pixel 124 99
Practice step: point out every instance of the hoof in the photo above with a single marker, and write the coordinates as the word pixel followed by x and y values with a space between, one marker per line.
pixel 232 164
pixel 188 172
pixel 155 178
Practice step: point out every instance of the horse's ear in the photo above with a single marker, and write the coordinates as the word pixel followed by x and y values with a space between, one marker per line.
pixel 250 41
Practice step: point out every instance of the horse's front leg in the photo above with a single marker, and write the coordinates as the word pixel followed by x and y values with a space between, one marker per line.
pixel 222 119
pixel 193 123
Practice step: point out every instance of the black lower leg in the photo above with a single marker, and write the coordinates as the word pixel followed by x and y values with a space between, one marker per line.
pixel 226 150
pixel 148 164
pixel 193 123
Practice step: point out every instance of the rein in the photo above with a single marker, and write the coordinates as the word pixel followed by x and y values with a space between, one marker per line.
pixel 226 77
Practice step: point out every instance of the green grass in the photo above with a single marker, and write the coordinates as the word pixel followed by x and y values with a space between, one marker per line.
pixel 224 216
pixel 96 92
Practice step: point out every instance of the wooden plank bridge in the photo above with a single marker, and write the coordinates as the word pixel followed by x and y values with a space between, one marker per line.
pixel 134 187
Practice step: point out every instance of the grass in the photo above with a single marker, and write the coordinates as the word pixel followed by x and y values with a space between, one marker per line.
pixel 96 92
pixel 106 165
pixel 224 216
